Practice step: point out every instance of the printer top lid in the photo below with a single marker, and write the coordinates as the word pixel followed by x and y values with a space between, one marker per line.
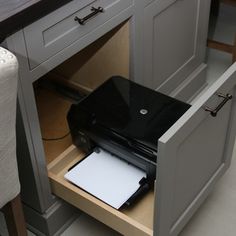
pixel 132 111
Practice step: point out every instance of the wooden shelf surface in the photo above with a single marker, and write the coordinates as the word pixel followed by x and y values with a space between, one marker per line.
pixel 136 220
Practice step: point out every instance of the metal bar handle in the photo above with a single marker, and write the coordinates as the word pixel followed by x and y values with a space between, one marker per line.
pixel 214 112
pixel 94 12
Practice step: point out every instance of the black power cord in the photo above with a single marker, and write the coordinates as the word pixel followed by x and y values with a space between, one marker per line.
pixel 56 139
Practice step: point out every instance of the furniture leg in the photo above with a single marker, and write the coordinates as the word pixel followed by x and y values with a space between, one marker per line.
pixel 14 217
pixel 234 49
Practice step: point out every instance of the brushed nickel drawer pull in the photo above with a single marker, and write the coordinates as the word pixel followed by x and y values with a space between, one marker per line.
pixel 94 11
pixel 214 112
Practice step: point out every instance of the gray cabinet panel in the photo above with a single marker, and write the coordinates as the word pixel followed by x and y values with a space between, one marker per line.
pixel 167 40
pixel 193 154
pixel 29 130
pixel 31 195
pixel 172 36
pixel 49 35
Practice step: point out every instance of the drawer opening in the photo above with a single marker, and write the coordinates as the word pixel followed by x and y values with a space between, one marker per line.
pixel 73 79
pixel 107 56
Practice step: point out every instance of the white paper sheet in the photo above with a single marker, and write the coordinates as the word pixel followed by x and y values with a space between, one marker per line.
pixel 107 177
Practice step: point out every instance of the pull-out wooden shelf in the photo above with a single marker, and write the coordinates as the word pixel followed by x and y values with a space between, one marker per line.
pixel 136 220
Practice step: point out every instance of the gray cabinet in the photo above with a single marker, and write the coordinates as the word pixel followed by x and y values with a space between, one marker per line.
pixel 167 47
pixel 174 38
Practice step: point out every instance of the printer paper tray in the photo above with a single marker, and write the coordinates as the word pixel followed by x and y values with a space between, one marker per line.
pixel 136 220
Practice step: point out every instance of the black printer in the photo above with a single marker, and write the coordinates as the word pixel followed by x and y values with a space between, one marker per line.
pixel 125 119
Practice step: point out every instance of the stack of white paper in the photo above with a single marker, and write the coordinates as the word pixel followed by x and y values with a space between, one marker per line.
pixel 107 177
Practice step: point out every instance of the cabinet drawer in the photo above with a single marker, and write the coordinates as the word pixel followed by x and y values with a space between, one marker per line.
pixel 131 221
pixel 192 155
pixel 49 35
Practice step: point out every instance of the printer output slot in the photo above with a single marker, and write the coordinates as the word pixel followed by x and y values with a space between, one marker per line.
pixel 132 143
pixel 119 141
pixel 136 144
pixel 125 153
pixel 143 148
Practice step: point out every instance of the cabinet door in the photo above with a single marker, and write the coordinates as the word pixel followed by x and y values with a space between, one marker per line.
pixel 174 36
pixel 193 154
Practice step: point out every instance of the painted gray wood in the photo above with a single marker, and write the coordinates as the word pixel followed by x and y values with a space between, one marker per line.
pixel 192 86
pixel 31 127
pixel 14 14
pixel 54 221
pixel 48 42
pixel 173 34
pixel 192 155
pixel 49 35
pixel 46 66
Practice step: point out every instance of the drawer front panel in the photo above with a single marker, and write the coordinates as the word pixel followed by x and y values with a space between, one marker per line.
pixel 194 153
pixel 51 34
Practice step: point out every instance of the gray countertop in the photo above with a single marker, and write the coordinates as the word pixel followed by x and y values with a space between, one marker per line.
pixel 15 14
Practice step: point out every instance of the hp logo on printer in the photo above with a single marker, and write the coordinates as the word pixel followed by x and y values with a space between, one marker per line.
pixel 143 111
